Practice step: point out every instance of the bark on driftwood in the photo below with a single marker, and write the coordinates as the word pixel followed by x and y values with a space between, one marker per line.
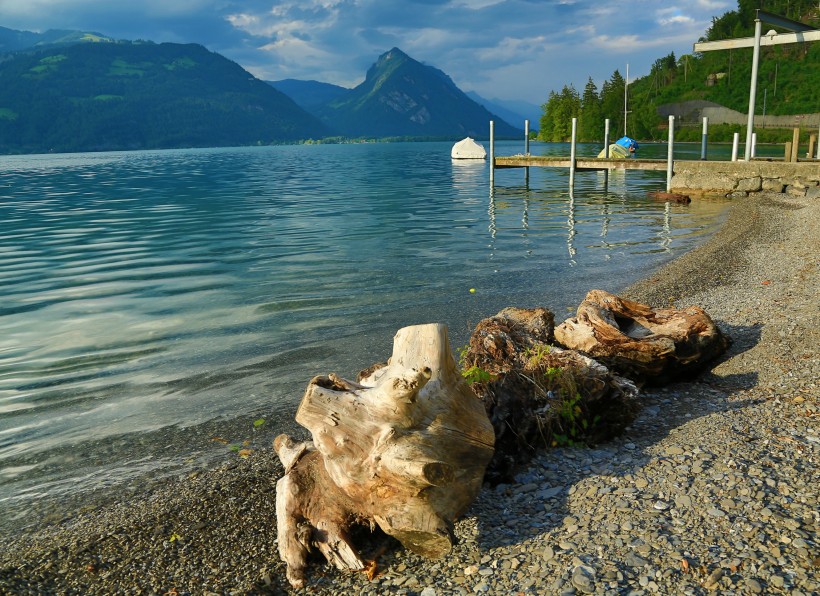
pixel 537 394
pixel 404 449
pixel 645 344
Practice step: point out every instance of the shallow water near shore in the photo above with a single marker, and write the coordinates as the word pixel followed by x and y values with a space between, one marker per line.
pixel 157 306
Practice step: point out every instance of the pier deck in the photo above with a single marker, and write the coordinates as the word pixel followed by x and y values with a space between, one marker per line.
pixel 581 163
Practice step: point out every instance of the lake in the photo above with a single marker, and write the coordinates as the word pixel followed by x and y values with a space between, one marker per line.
pixel 162 309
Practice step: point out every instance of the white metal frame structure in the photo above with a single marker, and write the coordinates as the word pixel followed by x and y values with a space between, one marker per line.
pixel 800 33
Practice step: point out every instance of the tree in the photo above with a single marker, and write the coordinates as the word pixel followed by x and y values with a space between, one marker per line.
pixel 612 101
pixel 590 123
pixel 560 109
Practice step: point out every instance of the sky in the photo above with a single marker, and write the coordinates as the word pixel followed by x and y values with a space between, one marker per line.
pixel 506 49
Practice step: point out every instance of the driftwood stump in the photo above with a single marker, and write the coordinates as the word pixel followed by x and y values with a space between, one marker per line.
pixel 405 449
pixel 538 395
pixel 642 343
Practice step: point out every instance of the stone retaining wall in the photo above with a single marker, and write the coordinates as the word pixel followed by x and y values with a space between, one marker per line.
pixel 739 178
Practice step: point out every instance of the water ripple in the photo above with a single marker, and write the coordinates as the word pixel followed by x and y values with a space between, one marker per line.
pixel 149 290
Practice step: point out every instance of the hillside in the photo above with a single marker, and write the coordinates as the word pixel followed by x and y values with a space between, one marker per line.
pixel 12 40
pixel 124 95
pixel 787 84
pixel 401 97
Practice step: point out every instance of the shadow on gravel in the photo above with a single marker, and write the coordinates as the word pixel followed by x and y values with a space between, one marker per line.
pixel 537 502
pixel 744 337
pixel 732 382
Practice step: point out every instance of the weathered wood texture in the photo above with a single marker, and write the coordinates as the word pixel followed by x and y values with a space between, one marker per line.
pixel 538 395
pixel 642 343
pixel 405 449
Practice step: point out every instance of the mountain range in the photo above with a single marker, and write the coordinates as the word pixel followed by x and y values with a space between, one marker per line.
pixel 396 95
pixel 76 91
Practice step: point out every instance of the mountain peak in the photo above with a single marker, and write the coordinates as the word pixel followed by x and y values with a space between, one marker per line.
pixel 403 97
pixel 387 63
pixel 392 54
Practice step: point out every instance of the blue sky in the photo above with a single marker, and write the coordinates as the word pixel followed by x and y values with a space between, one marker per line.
pixel 508 49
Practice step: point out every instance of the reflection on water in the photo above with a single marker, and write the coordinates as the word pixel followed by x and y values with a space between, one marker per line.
pixel 147 296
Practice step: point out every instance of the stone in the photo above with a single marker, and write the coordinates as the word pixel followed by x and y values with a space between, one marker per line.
pixel 772 184
pixel 713 581
pixel 752 184
pixel 683 501
pixel 583 578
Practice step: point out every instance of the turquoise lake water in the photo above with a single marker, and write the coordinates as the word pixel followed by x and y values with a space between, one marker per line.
pixel 154 304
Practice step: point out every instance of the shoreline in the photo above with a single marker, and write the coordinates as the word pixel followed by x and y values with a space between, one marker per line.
pixel 716 472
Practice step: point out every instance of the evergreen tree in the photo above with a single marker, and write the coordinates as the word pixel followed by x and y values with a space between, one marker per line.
pixel 560 109
pixel 590 123
pixel 545 123
pixel 612 103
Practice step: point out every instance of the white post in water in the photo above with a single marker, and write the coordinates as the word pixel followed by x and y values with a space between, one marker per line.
pixel 753 91
pixel 735 142
pixel 606 153
pixel 572 153
pixel 754 144
pixel 527 150
pixel 704 138
pixel 492 154
pixel 670 151
pixel 526 137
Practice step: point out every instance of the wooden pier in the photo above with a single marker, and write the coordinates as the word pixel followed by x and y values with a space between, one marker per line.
pixel 741 177
pixel 581 163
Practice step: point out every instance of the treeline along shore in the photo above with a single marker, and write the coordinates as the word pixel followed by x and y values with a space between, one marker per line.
pixel 713 488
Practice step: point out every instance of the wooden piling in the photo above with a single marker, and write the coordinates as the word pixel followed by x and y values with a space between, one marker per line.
pixel 795 144
pixel 812 145
pixel 787 154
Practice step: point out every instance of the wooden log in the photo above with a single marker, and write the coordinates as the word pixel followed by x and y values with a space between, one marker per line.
pixel 405 449
pixel 538 395
pixel 642 343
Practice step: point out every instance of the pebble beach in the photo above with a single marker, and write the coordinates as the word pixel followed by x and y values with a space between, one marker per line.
pixel 713 489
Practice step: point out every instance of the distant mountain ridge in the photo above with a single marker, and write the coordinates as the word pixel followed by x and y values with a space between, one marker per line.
pixel 310 95
pixel 71 91
pixel 12 40
pixel 124 95
pixel 513 112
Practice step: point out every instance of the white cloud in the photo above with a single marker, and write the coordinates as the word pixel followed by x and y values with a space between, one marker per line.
pixel 476 4
pixel 676 20
pixel 715 5
pixel 492 44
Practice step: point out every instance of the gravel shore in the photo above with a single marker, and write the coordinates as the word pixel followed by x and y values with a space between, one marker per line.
pixel 714 488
